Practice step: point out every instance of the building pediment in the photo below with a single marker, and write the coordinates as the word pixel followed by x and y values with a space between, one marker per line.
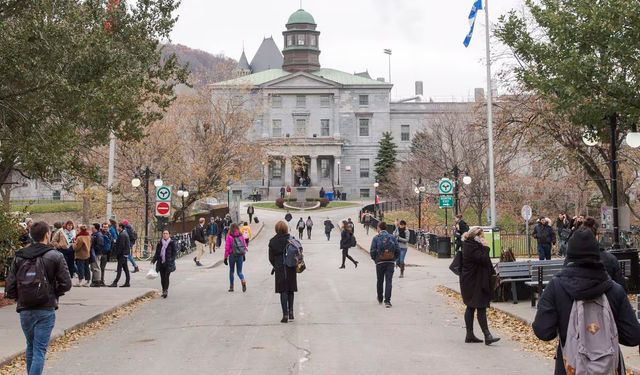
pixel 301 80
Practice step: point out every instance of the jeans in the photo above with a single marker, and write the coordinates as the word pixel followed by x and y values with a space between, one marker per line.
pixel 384 273
pixel 37 326
pixel 164 277
pixel 133 262
pixel 69 257
pixel 219 240
pixel 286 301
pixel 563 248
pixel 544 251
pixel 235 262
pixel 122 264
pixel 403 254
pixel 82 266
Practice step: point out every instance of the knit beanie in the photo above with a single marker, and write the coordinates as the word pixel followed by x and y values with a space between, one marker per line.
pixel 583 247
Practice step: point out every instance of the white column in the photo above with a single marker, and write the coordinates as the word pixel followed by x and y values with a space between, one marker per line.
pixel 314 171
pixel 287 171
pixel 337 179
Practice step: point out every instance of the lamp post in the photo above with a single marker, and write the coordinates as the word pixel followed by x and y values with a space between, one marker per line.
pixel 456 188
pixel 263 163
pixel 183 193
pixel 375 198
pixel 419 189
pixel 136 182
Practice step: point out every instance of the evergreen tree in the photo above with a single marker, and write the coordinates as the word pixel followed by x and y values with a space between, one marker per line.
pixel 387 155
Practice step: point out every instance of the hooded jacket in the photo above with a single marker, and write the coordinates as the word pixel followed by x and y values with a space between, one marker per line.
pixel 56 269
pixel 582 282
pixel 82 246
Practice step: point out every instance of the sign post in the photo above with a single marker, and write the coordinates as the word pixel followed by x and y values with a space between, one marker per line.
pixel 526 215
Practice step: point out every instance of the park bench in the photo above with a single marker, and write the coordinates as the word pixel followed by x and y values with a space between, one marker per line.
pixel 513 273
pixel 542 272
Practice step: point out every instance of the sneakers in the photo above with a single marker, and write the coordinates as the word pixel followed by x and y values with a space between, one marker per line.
pixel 85 284
pixel 135 269
pixel 195 259
pixel 380 300
pixel 387 305
pixel 77 283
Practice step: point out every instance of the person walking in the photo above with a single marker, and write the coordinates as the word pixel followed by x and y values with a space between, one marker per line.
pixel 475 283
pixel 347 240
pixel 235 250
pixel 460 229
pixel 384 252
pixel 584 278
pixel 543 233
pixel 199 237
pixel 82 249
pixel 37 311
pixel 563 229
pixel 212 233
pixel 301 225
pixel 133 238
pixel 106 252
pixel 219 225
pixel 402 236
pixel 121 250
pixel 366 219
pixel 97 248
pixel 282 191
pixel 250 212
pixel 246 232
pixel 165 260
pixel 285 277
pixel 309 226
pixel 328 227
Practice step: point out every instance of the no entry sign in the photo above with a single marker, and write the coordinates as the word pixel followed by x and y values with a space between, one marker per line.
pixel 163 209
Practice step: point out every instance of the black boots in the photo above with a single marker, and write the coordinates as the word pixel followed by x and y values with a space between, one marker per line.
pixel 471 338
pixel 291 315
pixel 285 318
pixel 489 339
pixel 165 293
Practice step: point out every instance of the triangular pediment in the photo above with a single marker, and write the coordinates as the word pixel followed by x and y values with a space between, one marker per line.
pixel 301 80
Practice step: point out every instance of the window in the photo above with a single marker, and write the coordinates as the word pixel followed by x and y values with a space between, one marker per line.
pixel 276 129
pixel 276 169
pixel 325 101
pixel 312 40
pixel 325 128
pixel 364 127
pixel 301 39
pixel 301 127
pixel 364 193
pixel 405 133
pixel 301 101
pixel 324 168
pixel 289 40
pixel 364 168
pixel 363 100
pixel 276 101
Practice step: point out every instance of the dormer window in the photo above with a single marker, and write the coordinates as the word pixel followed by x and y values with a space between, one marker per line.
pixel 301 39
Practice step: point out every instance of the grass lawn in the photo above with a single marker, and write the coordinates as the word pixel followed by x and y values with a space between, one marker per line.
pixel 332 205
pixel 46 207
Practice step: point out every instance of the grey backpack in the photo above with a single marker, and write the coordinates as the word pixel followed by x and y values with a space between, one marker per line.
pixel 592 345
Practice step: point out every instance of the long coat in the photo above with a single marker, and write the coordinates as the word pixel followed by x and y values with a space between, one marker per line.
pixel 475 278
pixel 285 276
pixel 82 247
pixel 169 256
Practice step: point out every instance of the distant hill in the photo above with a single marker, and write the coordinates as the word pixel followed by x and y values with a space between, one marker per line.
pixel 204 67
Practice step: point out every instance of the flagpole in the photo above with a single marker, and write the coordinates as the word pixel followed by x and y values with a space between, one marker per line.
pixel 492 179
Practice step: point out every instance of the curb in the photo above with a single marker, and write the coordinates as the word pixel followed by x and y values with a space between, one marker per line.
pixel 54 337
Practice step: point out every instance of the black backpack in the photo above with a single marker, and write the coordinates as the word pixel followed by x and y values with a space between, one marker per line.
pixel 33 286
pixel 133 236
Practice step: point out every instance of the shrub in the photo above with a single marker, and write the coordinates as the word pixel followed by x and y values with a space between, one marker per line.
pixel 280 202
pixel 324 202
pixel 9 233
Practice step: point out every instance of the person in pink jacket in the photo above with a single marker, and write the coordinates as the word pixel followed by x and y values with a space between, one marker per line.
pixel 235 250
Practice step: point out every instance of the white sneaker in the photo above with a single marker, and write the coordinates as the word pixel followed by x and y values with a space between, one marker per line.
pixel 85 283
pixel 77 283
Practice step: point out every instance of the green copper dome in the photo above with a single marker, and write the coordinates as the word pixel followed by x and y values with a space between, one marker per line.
pixel 301 16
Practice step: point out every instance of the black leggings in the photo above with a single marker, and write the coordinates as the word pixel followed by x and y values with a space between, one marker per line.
pixel 482 318
pixel 164 278
pixel 286 301
pixel 345 255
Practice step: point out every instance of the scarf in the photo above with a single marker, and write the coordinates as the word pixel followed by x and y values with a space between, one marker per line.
pixel 163 250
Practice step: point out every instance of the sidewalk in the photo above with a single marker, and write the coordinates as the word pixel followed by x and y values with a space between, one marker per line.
pixel 439 268
pixel 77 308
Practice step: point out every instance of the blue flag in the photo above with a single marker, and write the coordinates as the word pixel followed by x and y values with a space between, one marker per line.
pixel 477 5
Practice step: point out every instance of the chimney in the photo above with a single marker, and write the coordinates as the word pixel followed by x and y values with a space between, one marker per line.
pixel 479 94
pixel 419 90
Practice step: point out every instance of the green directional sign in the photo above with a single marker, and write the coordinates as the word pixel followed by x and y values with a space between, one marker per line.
pixel 163 194
pixel 445 186
pixel 445 201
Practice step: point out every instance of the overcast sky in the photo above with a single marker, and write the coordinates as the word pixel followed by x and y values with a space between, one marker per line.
pixel 425 36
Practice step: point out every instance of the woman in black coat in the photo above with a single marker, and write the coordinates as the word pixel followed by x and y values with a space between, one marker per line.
pixel 346 242
pixel 475 283
pixel 165 260
pixel 285 277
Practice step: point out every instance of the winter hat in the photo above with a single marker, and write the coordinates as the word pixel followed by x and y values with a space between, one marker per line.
pixel 583 247
pixel 125 222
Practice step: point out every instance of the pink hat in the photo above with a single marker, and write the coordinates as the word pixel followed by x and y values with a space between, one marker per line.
pixel 125 222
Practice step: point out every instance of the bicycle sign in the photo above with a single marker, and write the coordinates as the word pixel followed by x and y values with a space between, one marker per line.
pixel 445 186
pixel 163 194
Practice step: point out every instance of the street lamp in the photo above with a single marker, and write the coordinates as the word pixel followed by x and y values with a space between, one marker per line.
pixel 136 182
pixel 375 198
pixel 229 198
pixel 183 193
pixel 338 172
pixel 419 189
pixel 456 188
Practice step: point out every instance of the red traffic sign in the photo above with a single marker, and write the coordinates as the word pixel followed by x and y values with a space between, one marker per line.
pixel 162 209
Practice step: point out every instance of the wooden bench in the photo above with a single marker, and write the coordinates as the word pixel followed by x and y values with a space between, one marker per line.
pixel 541 273
pixel 513 272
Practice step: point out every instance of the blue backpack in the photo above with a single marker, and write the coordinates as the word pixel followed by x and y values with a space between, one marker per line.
pixel 293 252
pixel 106 244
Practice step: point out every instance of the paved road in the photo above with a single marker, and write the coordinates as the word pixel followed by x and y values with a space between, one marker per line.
pixel 339 326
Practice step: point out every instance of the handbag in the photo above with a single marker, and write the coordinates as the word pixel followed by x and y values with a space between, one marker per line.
pixel 456 264
pixel 152 274
pixel 301 266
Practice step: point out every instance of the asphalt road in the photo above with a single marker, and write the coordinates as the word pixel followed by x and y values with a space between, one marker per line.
pixel 339 329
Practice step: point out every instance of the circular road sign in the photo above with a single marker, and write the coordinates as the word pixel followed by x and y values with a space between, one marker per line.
pixel 162 208
pixel 445 186
pixel 163 194
pixel 526 212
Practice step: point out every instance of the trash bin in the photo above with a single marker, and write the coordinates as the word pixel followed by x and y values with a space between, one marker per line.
pixel 343 196
pixel 432 241
pixel 413 237
pixel 443 247
pixel 329 195
pixel 492 235
pixel 633 284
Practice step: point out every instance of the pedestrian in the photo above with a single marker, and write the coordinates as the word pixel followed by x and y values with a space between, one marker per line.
pixel 563 228
pixel 585 279
pixel 608 260
pixel 282 191
pixel 62 242
pixel 121 250
pixel 106 252
pixel 220 227
pixel 250 212
pixel 352 226
pixel 165 260
pixel 133 238
pixel 82 249
pixel 226 223
pixel 38 277
pixel 347 240
pixel 285 277
pixel 97 248
pixel 69 255
pixel 235 250
pixel 300 226
pixel 288 191
pixel 460 229
pixel 328 227
pixel 402 236
pixel 322 192
pixel 199 237
pixel 366 219
pixel 246 232
pixel 384 252
pixel 309 226
pixel 212 234
pixel 475 283
pixel 288 217
pixel 28 224
pixel 545 236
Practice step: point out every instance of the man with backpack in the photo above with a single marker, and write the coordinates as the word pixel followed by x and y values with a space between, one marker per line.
pixel 212 233
pixel 97 248
pixel 36 280
pixel 384 251
pixel 133 237
pixel 546 238
pixel 587 310
pixel 199 237
pixel 328 227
